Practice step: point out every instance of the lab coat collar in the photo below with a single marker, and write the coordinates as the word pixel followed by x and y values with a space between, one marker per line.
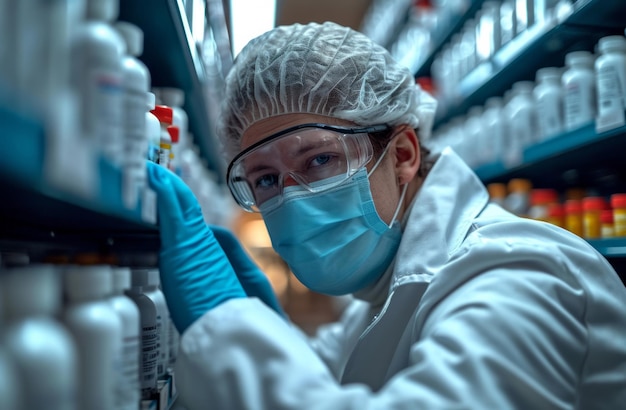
pixel 439 218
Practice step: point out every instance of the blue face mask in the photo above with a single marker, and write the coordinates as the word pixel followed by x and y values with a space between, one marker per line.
pixel 334 241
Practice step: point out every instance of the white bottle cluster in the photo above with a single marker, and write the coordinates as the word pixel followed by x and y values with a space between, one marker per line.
pixel 96 99
pixel 589 88
pixel 85 337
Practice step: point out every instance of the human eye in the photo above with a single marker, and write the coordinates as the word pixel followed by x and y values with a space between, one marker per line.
pixel 321 159
pixel 266 181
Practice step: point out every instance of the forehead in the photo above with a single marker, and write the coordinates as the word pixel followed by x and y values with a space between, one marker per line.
pixel 264 128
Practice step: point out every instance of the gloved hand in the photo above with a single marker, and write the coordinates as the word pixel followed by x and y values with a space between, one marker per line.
pixel 253 280
pixel 196 275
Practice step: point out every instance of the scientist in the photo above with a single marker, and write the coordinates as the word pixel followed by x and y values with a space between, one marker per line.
pixel 459 304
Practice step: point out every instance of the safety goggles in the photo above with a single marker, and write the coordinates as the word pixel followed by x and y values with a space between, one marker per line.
pixel 315 156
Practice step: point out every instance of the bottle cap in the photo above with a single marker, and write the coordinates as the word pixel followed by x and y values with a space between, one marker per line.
pixel 583 58
pixel 174 132
pixel 493 102
pixel 523 87
pixel 474 111
pixel 164 113
pixel 121 279
pixel 618 200
pixel 573 206
pixel 543 196
pixel 612 43
pixel 31 290
pixel 555 210
pixel 174 97
pixel 133 36
pixel 548 74
pixel 104 10
pixel 496 190
pixel 145 277
pixel 519 185
pixel 593 203
pixel 88 282
pixel 606 216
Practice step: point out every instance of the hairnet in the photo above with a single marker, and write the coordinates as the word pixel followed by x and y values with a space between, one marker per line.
pixel 324 69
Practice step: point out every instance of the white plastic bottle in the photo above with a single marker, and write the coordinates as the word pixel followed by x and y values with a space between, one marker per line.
pixel 548 102
pixel 97 330
pixel 150 325
pixel 473 130
pixel 175 98
pixel 165 115
pixel 154 283
pixel 41 348
pixel 128 395
pixel 610 68
pixel 579 89
pixel 97 75
pixel 153 129
pixel 520 119
pixel 493 130
pixel 136 83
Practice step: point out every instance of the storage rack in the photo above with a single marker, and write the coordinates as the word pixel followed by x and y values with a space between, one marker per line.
pixel 38 218
pixel 582 157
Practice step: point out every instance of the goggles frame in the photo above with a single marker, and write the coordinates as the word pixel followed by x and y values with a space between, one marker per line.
pixel 338 129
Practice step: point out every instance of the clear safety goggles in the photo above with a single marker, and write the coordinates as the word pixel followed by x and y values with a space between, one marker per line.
pixel 317 157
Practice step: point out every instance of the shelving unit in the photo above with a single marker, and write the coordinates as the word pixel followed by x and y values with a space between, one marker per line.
pixel 540 46
pixel 41 217
pixel 580 157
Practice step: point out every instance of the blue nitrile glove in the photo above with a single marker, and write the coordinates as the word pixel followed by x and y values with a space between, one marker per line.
pixel 253 280
pixel 196 275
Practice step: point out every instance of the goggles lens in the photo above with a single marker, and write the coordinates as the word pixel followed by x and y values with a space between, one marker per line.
pixel 316 156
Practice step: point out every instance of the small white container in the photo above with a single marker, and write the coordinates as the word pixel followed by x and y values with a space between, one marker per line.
pixel 153 129
pixel 165 115
pixel 97 330
pixel 579 89
pixel 166 341
pixel 97 76
pixel 507 21
pixel 175 98
pixel 520 118
pixel 472 139
pixel 493 130
pixel 128 393
pixel 610 68
pixel 151 322
pixel 41 348
pixel 549 102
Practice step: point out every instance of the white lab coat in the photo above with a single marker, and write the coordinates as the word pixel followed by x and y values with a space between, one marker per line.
pixel 481 310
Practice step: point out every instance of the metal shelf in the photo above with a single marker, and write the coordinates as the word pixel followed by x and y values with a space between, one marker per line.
pixel 579 157
pixel 610 248
pixel 174 61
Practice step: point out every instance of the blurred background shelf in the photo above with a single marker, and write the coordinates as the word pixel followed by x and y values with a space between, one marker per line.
pixel 579 157
pixel 543 45
pixel 610 248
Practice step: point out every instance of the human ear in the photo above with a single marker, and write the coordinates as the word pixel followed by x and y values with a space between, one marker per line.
pixel 407 155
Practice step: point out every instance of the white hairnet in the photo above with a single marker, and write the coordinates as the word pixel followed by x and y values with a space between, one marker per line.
pixel 324 69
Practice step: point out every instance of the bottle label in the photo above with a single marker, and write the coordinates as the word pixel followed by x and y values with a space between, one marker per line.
pixel 609 90
pixel 153 153
pixel 104 112
pixel 549 117
pixel 579 104
pixel 164 154
pixel 149 358
pixel 134 115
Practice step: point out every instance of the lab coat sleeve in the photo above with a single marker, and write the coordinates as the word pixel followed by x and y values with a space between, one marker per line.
pixel 507 339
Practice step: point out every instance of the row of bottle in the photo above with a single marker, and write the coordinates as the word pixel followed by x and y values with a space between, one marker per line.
pixel 85 337
pixel 584 213
pixel 96 99
pixel 561 99
pixel 495 25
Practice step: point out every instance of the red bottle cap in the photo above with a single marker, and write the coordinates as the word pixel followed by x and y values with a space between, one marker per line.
pixel 174 132
pixel 593 203
pixel 573 206
pixel 618 200
pixel 164 113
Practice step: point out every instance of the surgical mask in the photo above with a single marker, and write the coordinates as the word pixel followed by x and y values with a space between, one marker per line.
pixel 334 241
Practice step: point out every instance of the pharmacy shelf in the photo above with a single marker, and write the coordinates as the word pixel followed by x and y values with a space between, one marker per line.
pixel 610 248
pixel 540 46
pixel 443 34
pixel 174 60
pixel 580 157
pixel 36 211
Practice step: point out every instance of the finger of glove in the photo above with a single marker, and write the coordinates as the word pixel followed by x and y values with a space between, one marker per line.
pixel 168 206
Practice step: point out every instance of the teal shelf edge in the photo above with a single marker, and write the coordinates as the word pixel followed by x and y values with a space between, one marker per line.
pixel 610 248
pixel 33 198
pixel 174 60
pixel 540 46
pixel 576 148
